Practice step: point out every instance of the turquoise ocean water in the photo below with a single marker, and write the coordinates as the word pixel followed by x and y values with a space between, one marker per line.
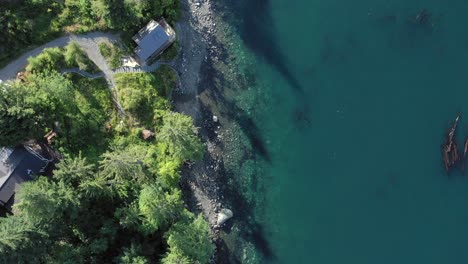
pixel 350 102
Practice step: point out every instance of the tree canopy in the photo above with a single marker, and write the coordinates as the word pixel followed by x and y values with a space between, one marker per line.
pixel 114 196
pixel 189 242
pixel 178 133
pixel 18 29
pixel 28 110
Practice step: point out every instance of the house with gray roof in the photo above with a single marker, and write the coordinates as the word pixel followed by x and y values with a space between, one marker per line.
pixel 152 40
pixel 18 165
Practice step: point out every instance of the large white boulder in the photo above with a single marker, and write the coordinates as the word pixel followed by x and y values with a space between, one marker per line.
pixel 224 215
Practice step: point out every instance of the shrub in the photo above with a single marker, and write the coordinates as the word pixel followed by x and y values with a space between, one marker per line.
pixel 75 57
pixel 171 53
pixel 167 79
pixel 138 94
pixel 111 53
pixel 50 59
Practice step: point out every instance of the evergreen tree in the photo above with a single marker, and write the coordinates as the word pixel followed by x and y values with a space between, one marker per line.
pixel 47 203
pixel 189 240
pixel 123 170
pixel 159 208
pixel 77 173
pixel 132 255
pixel 179 134
pixel 120 165
pixel 21 241
pixel 28 110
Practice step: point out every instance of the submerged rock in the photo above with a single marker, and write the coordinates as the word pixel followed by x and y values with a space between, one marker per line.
pixel 224 215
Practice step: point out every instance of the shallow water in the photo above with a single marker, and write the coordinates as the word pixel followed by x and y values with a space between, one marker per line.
pixel 350 102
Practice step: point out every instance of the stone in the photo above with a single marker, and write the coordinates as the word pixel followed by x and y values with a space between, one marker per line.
pixel 224 215
pixel 147 134
pixel 215 119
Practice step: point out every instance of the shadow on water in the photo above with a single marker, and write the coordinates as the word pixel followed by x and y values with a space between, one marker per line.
pixel 236 114
pixel 255 27
pixel 251 230
pixel 258 34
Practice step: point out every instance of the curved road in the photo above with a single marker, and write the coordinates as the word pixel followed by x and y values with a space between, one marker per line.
pixel 90 44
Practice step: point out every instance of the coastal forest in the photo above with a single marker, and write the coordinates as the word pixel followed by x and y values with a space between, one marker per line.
pixel 114 195
pixel 27 23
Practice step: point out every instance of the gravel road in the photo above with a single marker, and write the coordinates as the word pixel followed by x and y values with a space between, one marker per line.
pixel 89 42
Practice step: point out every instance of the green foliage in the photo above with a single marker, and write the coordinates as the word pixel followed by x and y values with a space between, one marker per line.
pixel 72 171
pixel 159 208
pixel 49 60
pixel 77 172
pixel 189 241
pixel 132 255
pixel 167 80
pixel 112 53
pixel 18 29
pixel 179 135
pixel 123 169
pixel 102 203
pixel 19 119
pixel 47 101
pixel 74 56
pixel 66 253
pixel 28 110
pixel 55 59
pixel 45 202
pixel 20 240
pixel 171 53
pixel 176 257
pixel 84 129
pixel 166 166
pixel 129 217
pixel 124 165
pixel 138 94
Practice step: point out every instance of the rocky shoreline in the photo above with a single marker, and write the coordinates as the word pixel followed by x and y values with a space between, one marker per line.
pixel 223 183
pixel 203 182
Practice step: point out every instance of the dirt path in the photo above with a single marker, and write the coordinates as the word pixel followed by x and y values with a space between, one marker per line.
pixel 83 73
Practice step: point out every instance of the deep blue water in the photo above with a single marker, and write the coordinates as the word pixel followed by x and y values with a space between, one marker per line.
pixel 350 104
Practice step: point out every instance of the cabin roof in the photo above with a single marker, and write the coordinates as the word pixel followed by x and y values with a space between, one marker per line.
pixel 153 38
pixel 17 166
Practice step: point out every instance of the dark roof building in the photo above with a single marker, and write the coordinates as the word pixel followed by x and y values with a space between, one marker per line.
pixel 17 166
pixel 152 40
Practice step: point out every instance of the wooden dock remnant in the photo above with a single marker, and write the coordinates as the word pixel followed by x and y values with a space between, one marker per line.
pixel 450 150
pixel 465 149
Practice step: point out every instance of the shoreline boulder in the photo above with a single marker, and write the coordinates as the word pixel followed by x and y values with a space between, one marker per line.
pixel 224 215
